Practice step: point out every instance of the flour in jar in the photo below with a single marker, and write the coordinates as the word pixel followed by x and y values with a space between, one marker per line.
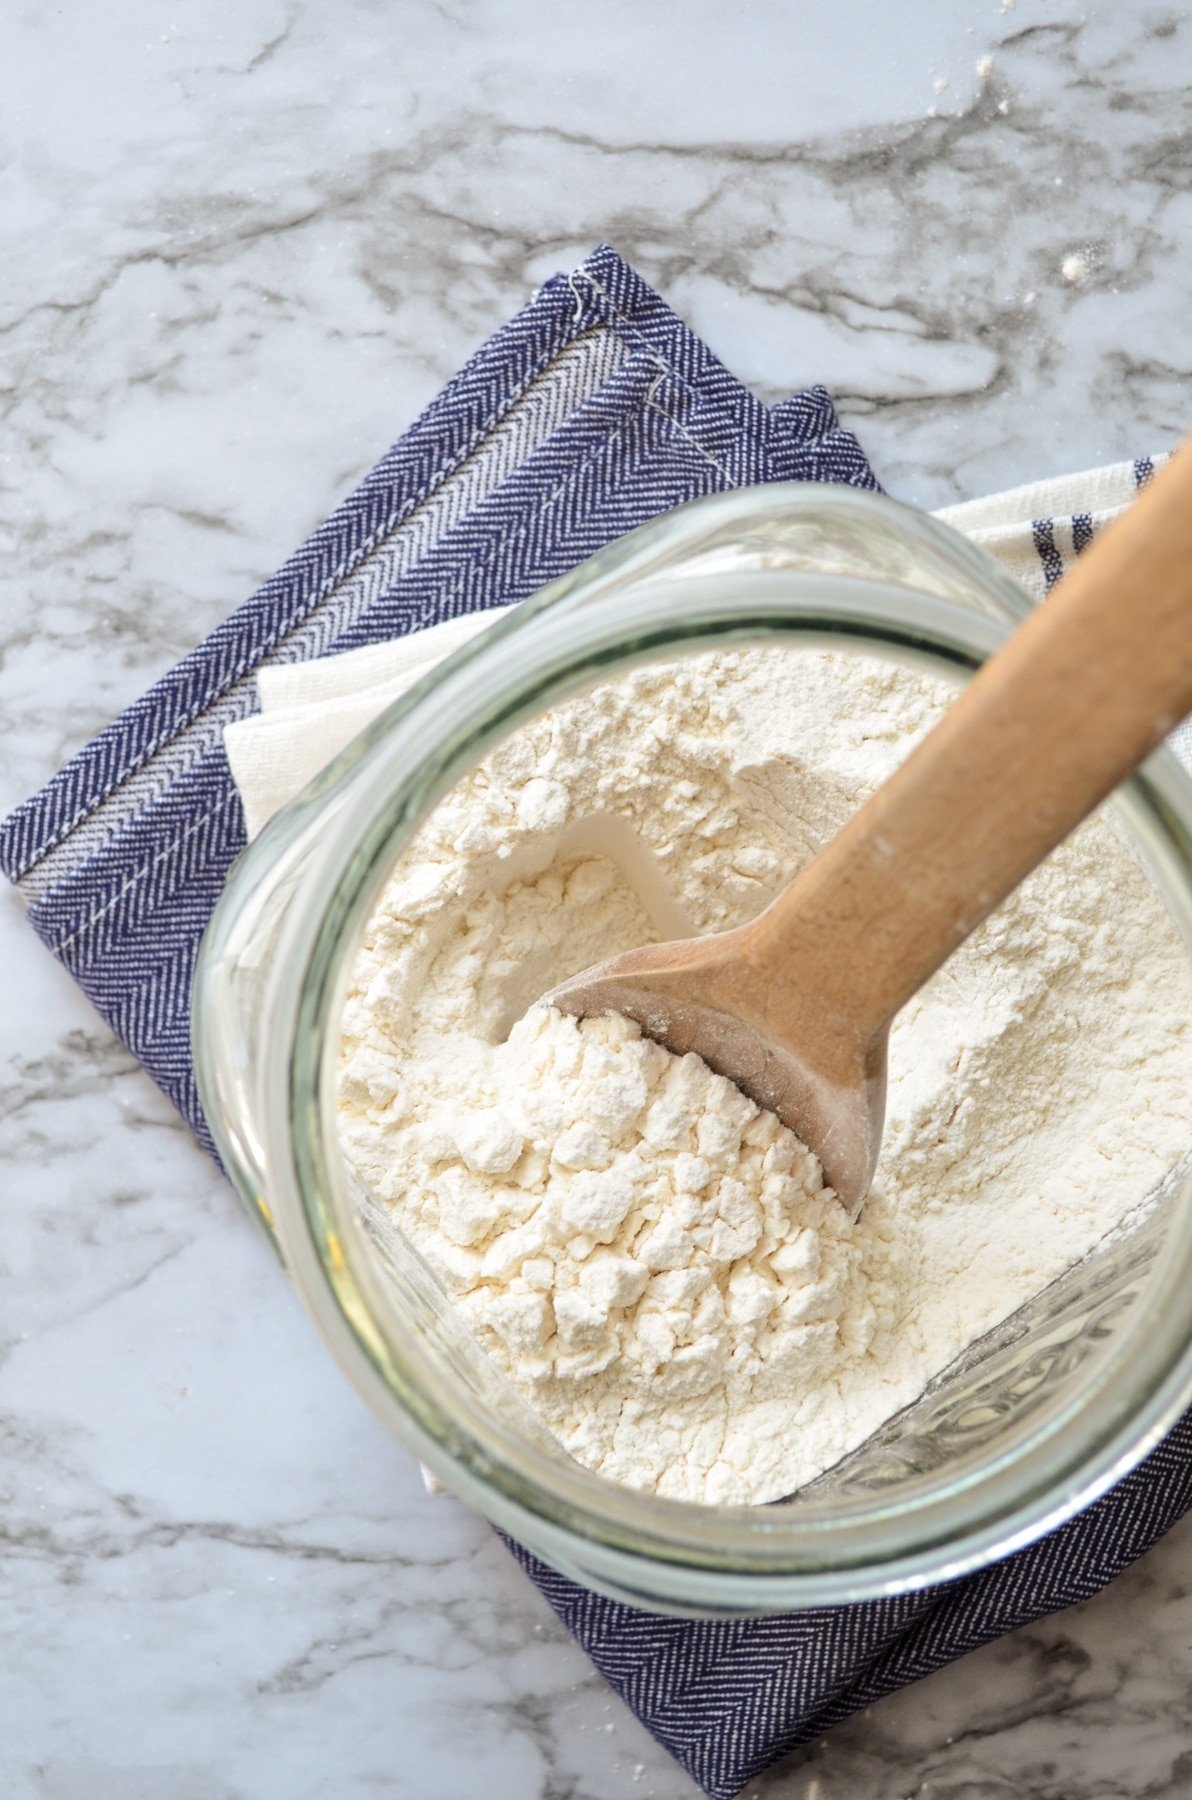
pixel 652 1261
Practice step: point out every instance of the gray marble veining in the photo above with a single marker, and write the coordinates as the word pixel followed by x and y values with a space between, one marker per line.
pixel 242 246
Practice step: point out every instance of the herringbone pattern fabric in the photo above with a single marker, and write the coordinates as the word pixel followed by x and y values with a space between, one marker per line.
pixel 591 412
pixel 729 1698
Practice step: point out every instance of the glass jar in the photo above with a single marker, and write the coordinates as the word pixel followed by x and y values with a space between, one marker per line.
pixel 1029 1426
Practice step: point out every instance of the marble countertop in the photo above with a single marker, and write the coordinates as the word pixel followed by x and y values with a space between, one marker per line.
pixel 243 244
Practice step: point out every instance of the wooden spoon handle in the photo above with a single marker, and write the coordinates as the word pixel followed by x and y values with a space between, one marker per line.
pixel 1076 699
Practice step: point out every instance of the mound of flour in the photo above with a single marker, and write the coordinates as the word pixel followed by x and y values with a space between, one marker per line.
pixel 653 1262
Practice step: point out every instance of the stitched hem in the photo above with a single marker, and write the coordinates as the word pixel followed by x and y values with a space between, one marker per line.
pixel 63 944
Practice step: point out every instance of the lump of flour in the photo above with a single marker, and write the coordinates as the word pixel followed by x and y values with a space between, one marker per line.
pixel 654 1262
pixel 651 1258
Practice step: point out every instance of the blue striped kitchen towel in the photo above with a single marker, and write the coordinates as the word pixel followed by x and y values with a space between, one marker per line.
pixel 592 411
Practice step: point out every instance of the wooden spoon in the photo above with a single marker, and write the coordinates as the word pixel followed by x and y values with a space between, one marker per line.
pixel 796 1006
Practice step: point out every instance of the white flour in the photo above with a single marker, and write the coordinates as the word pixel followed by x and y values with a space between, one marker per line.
pixel 654 1263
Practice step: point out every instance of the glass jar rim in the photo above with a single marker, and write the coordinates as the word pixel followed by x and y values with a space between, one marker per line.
pixel 934 1528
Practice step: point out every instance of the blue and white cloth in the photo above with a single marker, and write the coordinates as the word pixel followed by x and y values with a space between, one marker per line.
pixel 590 412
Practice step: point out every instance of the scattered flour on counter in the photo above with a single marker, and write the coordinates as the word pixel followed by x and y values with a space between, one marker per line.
pixel 654 1262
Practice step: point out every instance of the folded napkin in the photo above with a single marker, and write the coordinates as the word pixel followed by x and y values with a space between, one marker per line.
pixel 309 711
pixel 592 411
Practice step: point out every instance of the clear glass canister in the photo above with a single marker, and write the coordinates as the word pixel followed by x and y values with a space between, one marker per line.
pixel 1031 1424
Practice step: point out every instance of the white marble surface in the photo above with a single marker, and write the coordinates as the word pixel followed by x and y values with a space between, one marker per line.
pixel 242 244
